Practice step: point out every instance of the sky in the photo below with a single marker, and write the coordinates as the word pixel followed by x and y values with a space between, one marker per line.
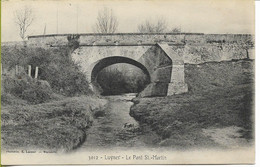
pixel 197 16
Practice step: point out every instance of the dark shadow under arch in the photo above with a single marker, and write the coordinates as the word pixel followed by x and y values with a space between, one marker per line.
pixel 103 63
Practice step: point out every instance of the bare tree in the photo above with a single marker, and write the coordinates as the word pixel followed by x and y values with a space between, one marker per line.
pixel 106 21
pixel 23 18
pixel 159 26
pixel 176 30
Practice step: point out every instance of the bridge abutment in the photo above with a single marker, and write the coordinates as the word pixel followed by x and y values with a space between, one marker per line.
pixel 160 55
pixel 177 84
pixel 168 75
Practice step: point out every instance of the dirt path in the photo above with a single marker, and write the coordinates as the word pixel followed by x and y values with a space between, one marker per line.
pixel 117 129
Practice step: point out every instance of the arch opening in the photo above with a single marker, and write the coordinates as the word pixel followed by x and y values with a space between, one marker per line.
pixel 118 75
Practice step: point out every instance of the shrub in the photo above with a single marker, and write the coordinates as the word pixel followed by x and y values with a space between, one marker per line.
pixel 36 94
pixel 60 71
pixel 55 66
pixel 12 55
pixel 8 99
pixel 117 79
pixel 33 91
pixel 57 125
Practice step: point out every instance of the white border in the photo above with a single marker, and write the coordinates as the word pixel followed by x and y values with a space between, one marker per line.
pixel 257 100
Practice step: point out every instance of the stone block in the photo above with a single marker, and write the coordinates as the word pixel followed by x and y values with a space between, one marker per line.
pixel 177 88
pixel 162 74
pixel 251 53
pixel 155 89
pixel 177 74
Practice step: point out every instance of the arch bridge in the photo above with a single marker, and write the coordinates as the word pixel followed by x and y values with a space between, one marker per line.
pixel 159 56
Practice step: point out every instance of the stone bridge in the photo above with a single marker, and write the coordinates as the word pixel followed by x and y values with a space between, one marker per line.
pixel 161 56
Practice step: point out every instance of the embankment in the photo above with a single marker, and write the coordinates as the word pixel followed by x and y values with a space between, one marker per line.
pixel 55 126
pixel 220 96
pixel 42 112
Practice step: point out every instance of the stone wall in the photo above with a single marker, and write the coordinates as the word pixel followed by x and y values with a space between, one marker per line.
pixel 107 39
pixel 197 48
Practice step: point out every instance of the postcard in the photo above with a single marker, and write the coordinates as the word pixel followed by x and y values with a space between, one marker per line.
pixel 127 82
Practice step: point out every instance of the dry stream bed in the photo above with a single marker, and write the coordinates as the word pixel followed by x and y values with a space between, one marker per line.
pixel 117 129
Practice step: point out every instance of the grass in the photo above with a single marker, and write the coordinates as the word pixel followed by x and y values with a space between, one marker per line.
pixel 55 66
pixel 220 95
pixel 31 90
pixel 58 126
pixel 35 113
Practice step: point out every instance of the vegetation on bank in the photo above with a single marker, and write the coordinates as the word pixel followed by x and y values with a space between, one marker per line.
pixel 42 113
pixel 122 78
pixel 57 125
pixel 220 96
pixel 55 67
pixel 32 91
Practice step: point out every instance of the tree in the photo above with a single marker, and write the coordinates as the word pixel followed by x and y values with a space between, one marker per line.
pixel 23 18
pixel 176 30
pixel 159 26
pixel 106 21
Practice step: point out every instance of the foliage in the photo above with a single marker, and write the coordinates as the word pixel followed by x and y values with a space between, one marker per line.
pixel 55 126
pixel 118 79
pixel 8 99
pixel 13 55
pixel 33 91
pixel 55 66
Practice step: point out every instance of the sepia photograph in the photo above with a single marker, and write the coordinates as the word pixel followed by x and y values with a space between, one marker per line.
pixel 127 82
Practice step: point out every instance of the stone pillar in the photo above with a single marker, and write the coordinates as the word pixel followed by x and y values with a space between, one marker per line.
pixel 29 70
pixel 36 72
pixel 16 70
pixel 177 84
pixel 251 53
pixel 167 79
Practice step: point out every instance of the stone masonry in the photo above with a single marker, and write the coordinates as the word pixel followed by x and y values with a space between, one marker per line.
pixel 161 56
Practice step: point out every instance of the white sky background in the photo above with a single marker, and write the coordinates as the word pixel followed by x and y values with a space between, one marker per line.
pixel 205 16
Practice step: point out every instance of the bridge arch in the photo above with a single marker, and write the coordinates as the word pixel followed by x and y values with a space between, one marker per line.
pixel 162 63
pixel 105 62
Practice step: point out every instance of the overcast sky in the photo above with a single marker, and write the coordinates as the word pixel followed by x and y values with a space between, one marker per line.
pixel 205 16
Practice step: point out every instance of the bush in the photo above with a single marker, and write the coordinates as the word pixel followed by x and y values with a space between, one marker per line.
pixel 57 125
pixel 13 55
pixel 60 71
pixel 14 86
pixel 55 66
pixel 8 99
pixel 36 94
pixel 117 79
pixel 33 91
